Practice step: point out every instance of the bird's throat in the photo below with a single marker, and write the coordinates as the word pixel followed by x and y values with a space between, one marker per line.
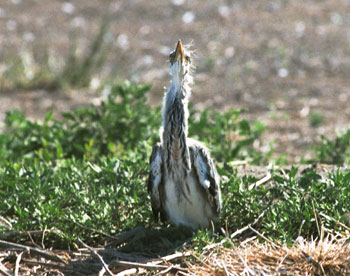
pixel 175 133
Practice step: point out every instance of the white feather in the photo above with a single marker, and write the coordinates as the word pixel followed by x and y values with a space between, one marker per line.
pixel 195 212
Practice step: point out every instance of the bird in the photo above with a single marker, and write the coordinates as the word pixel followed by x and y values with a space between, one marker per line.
pixel 183 182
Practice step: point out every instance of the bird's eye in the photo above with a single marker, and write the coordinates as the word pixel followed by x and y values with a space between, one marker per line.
pixel 187 58
pixel 172 56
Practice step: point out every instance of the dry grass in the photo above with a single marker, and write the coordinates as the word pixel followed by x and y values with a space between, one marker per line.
pixel 329 256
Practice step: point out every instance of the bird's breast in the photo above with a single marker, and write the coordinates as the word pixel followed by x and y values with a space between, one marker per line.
pixel 187 205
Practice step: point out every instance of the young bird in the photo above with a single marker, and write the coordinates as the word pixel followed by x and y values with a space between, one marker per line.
pixel 183 182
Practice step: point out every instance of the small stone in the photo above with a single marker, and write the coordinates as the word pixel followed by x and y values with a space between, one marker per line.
pixel 78 22
pixel 188 17
pixel 123 41
pixel 224 11
pixel 11 25
pixel 229 52
pixel 300 28
pixel 29 37
pixel 336 18
pixel 178 2
pixel 283 72
pixel 68 8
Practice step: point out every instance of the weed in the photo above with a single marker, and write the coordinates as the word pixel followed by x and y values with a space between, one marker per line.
pixel 335 151
pixel 228 136
pixel 26 72
pixel 293 204
pixel 85 170
pixel 315 119
pixel 78 71
pixel 114 129
pixel 209 63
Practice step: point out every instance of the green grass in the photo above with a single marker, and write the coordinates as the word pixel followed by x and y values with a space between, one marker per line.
pixel 293 205
pixel 86 174
pixel 335 151
pixel 315 119
pixel 228 136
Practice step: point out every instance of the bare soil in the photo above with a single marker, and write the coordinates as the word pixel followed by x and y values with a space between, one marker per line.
pixel 281 61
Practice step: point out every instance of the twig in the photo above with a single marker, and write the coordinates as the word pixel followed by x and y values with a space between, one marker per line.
pixel 246 266
pixel 43 237
pixel 53 265
pixel 16 234
pixel 262 236
pixel 238 163
pixel 240 231
pixel 5 222
pixel 114 253
pixel 184 273
pixel 343 225
pixel 248 240
pixel 175 256
pixel 30 249
pixel 265 179
pixel 5 270
pixel 170 258
pixel 146 265
pixel 301 227
pixel 337 222
pixel 141 265
pixel 225 268
pixel 98 257
pixel 281 262
pixel 102 271
pixel 127 272
pixel 33 242
pixel 316 218
pixel 165 271
pixel 17 263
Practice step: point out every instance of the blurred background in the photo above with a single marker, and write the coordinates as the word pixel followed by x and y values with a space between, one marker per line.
pixel 286 63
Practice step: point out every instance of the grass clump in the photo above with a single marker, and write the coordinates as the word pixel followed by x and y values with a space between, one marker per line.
pixel 294 203
pixel 79 70
pixel 73 196
pixel 116 128
pixel 85 170
pixel 315 119
pixel 228 136
pixel 335 151
pixel 28 70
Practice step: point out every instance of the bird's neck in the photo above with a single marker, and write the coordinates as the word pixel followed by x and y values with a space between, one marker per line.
pixel 175 127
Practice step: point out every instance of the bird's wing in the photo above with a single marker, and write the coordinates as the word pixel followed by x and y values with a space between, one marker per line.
pixel 155 181
pixel 207 174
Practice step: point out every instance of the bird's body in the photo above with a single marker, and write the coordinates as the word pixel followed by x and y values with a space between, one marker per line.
pixel 183 181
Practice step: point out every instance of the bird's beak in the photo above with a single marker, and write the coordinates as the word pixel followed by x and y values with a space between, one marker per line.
pixel 179 51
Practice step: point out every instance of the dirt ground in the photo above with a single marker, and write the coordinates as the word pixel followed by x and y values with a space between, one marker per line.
pixel 283 61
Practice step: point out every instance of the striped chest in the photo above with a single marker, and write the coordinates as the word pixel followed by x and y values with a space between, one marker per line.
pixel 175 136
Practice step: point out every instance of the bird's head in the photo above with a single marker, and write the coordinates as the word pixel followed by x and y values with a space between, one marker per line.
pixel 180 66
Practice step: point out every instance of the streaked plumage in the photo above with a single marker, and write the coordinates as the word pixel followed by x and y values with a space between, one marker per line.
pixel 183 181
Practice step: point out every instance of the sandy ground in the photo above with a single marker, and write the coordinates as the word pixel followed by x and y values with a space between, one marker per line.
pixel 279 60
